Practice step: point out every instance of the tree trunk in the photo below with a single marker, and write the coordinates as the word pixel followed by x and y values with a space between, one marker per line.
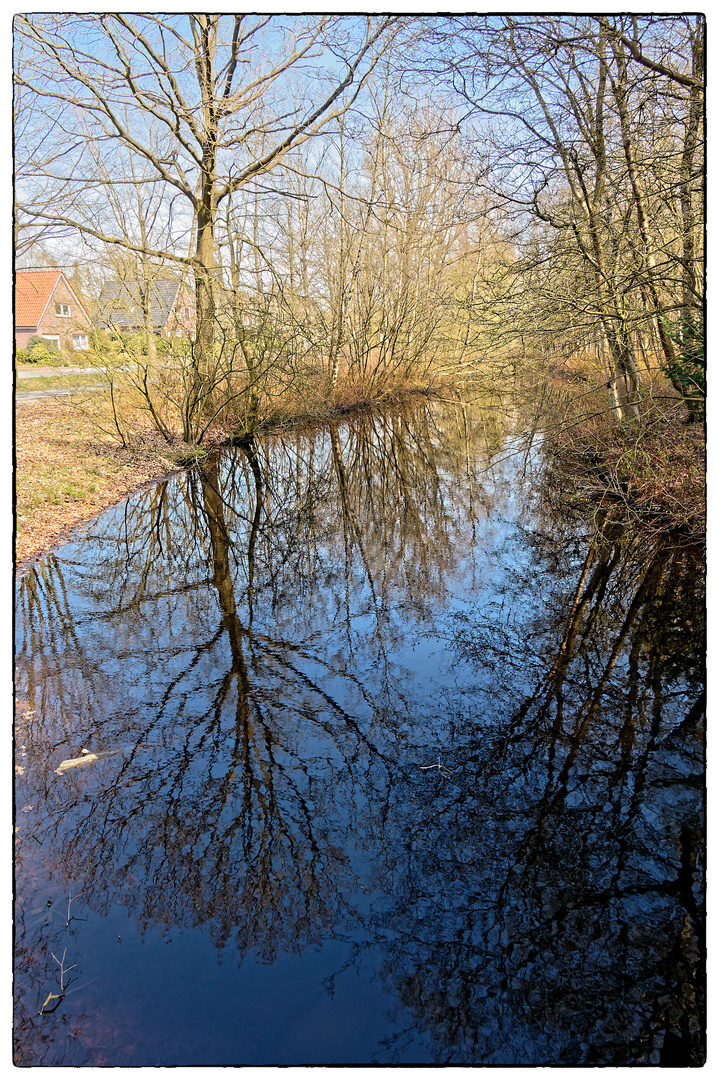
pixel 620 94
pixel 691 141
pixel 204 268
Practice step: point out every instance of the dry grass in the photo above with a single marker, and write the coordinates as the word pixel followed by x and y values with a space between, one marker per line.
pixel 71 465
pixel 315 400
pixel 655 468
pixel 68 470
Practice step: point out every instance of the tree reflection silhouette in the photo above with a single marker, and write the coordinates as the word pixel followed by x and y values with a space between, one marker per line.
pixel 584 940
pixel 280 642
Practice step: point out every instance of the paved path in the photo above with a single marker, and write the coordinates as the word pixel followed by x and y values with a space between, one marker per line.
pixel 52 372
pixel 37 395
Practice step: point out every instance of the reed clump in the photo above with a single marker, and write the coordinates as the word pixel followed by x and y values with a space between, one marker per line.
pixel 233 405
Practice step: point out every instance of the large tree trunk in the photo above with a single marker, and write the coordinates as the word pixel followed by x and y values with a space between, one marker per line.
pixel 691 142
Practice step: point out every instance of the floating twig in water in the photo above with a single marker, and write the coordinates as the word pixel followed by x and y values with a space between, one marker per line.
pixel 69 901
pixel 63 972
pixel 439 766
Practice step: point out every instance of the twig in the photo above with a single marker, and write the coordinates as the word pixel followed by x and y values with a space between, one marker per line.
pixel 63 972
pixel 438 766
pixel 69 901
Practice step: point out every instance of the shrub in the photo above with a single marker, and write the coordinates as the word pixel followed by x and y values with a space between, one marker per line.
pixel 102 343
pixel 39 350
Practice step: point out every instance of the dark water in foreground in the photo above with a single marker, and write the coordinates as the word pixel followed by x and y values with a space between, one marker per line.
pixel 410 767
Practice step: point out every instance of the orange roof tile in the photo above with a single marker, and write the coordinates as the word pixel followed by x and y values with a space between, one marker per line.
pixel 33 289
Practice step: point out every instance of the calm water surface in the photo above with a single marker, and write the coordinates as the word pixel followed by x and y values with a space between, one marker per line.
pixel 408 766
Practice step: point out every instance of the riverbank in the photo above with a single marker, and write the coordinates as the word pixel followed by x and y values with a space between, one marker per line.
pixel 656 472
pixel 70 464
pixel 68 471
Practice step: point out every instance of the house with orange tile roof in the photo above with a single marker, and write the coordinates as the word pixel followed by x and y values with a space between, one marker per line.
pixel 47 305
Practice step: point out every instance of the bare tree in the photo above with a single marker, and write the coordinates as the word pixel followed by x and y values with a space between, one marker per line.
pixel 597 136
pixel 196 103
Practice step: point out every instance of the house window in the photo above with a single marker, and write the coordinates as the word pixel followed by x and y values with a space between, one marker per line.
pixel 63 309
pixel 80 341
pixel 188 312
pixel 52 338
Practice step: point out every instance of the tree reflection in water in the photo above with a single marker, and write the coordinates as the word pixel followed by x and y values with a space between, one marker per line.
pixel 278 644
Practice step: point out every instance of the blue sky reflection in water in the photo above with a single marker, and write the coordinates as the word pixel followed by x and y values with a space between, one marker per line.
pixel 410 765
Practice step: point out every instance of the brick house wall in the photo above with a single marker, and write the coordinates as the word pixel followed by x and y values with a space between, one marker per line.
pixel 181 322
pixel 60 327
pixel 23 335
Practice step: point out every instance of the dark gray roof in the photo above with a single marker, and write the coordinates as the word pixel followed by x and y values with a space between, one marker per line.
pixel 119 304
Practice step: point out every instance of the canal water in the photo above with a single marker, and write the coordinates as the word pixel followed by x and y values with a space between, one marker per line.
pixel 403 764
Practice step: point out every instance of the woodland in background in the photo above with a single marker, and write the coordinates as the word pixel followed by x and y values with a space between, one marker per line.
pixel 368 205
